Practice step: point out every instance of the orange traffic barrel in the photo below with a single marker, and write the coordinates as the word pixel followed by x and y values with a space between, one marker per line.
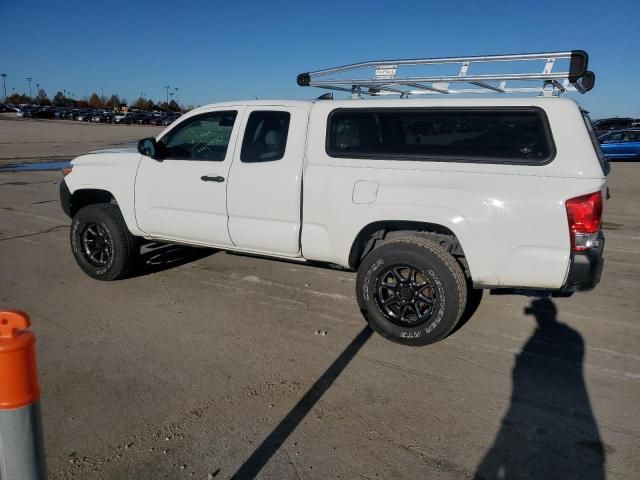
pixel 21 440
pixel 18 374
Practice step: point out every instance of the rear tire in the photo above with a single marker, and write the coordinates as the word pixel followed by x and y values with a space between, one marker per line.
pixel 474 298
pixel 101 243
pixel 411 291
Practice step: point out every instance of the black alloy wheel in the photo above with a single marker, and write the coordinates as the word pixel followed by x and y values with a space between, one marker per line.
pixel 405 295
pixel 96 244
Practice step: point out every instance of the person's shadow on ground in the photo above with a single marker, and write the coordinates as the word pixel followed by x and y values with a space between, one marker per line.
pixel 549 431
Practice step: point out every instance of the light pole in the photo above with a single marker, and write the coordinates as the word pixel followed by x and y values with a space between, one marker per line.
pixel 4 86
pixel 167 87
pixel 29 80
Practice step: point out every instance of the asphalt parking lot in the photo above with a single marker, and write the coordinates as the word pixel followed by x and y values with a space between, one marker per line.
pixel 209 364
pixel 30 141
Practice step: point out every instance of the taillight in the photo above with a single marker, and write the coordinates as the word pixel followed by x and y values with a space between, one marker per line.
pixel 584 214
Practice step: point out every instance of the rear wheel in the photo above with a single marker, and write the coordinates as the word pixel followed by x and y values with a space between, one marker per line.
pixel 411 290
pixel 101 243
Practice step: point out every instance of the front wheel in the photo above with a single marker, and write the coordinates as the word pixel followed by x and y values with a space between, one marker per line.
pixel 411 290
pixel 101 243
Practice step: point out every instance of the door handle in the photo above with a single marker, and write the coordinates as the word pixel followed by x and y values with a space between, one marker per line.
pixel 206 178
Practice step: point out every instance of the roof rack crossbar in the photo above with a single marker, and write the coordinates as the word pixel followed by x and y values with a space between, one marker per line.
pixel 385 80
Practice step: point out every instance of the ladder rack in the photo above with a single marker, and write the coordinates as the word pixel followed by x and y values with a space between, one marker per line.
pixel 425 76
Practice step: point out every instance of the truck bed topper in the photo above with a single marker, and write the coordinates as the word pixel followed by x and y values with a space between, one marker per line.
pixel 433 76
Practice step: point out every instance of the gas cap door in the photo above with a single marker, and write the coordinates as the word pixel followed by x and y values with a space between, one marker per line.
pixel 365 191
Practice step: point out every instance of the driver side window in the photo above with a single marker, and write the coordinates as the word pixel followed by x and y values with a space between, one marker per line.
pixel 203 137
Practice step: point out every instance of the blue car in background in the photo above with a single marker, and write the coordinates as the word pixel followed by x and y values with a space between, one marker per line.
pixel 621 144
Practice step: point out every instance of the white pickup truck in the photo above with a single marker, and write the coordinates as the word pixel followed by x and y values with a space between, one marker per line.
pixel 430 200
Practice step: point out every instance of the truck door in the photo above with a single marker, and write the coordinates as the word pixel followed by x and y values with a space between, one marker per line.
pixel 265 181
pixel 183 196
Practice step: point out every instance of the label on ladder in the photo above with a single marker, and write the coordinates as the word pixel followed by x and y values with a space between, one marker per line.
pixel 386 72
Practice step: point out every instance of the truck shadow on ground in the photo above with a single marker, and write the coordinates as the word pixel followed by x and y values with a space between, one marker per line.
pixel 549 430
pixel 272 443
pixel 157 257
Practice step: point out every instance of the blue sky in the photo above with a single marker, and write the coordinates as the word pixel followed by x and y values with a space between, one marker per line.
pixel 214 51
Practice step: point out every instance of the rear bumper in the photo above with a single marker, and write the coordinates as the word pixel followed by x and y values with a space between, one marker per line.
pixel 585 269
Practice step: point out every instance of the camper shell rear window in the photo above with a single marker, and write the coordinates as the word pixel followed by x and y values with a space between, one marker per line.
pixel 509 135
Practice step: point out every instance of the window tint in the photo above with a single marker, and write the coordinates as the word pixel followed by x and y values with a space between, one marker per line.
pixel 265 137
pixel 203 137
pixel 519 136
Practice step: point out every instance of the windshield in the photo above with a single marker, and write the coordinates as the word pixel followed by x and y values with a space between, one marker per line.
pixel 604 163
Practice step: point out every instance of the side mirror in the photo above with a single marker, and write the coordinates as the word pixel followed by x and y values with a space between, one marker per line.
pixel 147 147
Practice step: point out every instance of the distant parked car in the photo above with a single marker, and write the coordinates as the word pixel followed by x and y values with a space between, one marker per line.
pixel 84 116
pixel 7 108
pixel 607 124
pixel 70 114
pixel 26 111
pixel 142 119
pixel 621 144
pixel 102 117
pixel 42 113
pixel 169 119
pixel 156 120
pixel 122 118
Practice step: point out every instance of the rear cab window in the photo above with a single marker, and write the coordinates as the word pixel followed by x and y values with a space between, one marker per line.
pixel 509 135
